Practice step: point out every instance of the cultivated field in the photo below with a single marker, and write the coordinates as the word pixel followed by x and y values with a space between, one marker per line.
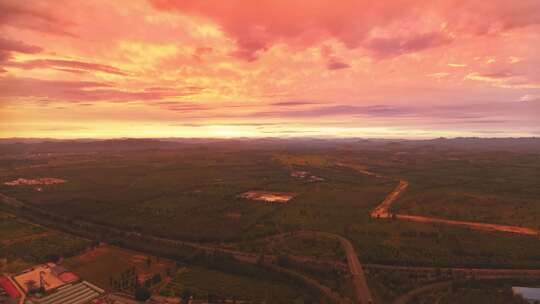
pixel 106 263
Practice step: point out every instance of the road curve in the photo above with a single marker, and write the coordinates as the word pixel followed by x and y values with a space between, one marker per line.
pixel 361 288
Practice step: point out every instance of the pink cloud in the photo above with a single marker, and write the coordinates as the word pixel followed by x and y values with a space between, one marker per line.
pixel 72 65
pixel 332 62
pixel 27 15
pixel 388 47
pixel 80 91
pixel 18 46
pixel 257 25
pixel 7 47
pixel 337 65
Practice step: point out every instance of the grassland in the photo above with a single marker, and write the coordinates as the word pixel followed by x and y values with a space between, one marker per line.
pixel 388 285
pixel 314 247
pixel 12 229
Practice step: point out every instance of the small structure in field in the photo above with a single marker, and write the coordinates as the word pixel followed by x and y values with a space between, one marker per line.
pixel 268 196
pixel 35 181
pixel 304 175
pixel 299 174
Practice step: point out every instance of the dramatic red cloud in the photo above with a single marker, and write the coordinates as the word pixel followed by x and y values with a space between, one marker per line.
pixel 392 68
pixel 257 25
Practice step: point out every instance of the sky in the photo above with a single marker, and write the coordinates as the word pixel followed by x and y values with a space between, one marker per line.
pixel 269 68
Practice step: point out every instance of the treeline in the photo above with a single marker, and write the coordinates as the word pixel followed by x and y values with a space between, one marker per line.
pixel 46 249
pixel 174 250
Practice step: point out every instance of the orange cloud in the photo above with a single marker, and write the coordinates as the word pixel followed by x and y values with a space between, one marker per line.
pixel 269 67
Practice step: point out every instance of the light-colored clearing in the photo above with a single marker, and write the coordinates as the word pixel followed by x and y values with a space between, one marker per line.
pixel 268 197
pixel 35 181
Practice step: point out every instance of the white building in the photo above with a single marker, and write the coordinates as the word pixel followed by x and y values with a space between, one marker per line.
pixel 529 294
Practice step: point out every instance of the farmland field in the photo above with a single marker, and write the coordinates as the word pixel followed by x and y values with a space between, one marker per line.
pixel 108 262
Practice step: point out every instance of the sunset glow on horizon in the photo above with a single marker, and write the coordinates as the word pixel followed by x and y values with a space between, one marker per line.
pixel 239 68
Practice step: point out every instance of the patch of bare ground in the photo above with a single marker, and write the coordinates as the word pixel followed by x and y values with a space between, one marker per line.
pixel 35 181
pixel 268 197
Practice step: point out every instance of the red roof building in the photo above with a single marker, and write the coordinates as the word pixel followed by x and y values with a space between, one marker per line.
pixel 9 288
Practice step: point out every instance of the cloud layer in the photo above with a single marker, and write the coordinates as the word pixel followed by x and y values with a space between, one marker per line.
pixel 253 68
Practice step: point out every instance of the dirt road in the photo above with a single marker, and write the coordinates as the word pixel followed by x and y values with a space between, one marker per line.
pixel 471 225
pixel 363 295
pixel 382 211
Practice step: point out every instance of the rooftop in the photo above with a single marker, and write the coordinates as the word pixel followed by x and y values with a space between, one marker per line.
pixel 527 293
pixel 78 293
pixel 52 275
